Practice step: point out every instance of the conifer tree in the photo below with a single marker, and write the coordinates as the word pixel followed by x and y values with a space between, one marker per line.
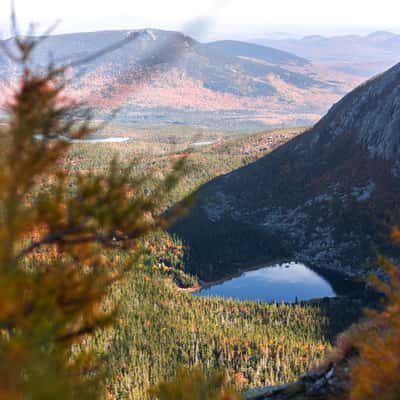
pixel 57 232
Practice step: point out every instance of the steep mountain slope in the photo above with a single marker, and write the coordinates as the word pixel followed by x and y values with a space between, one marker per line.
pixel 167 77
pixel 361 55
pixel 268 54
pixel 327 198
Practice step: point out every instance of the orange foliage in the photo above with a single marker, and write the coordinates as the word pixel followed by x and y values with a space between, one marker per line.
pixel 396 235
pixel 376 375
pixel 194 385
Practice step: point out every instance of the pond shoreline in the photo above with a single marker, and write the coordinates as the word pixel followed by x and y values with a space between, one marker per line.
pixel 283 282
pixel 240 272
pixel 343 285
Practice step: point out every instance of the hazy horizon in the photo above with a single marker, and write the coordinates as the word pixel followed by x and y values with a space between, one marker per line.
pixel 226 19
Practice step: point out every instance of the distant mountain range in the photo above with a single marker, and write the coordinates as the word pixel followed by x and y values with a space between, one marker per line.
pixel 163 77
pixel 327 198
pixel 359 55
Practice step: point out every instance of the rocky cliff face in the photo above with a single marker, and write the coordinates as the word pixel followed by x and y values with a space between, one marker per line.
pixel 372 113
pixel 326 198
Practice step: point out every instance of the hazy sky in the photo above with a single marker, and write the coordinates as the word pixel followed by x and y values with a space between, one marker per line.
pixel 208 18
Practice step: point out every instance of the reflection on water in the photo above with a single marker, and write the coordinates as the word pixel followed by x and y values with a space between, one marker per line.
pixel 278 283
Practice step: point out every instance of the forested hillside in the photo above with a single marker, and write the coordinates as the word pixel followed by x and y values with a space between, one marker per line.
pixel 162 327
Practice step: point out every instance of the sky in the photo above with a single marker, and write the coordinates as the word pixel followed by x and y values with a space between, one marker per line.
pixel 207 19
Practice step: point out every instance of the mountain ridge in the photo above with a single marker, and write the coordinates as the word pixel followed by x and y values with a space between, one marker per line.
pixel 363 56
pixel 168 77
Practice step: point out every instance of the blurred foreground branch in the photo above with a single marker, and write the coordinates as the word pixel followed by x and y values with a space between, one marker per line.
pixel 57 235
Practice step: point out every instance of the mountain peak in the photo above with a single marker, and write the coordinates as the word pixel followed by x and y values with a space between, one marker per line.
pixel 313 38
pixel 379 36
pixel 146 33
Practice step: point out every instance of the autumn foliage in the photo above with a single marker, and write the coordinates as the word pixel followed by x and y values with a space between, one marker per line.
pixel 66 236
pixel 376 374
pixel 195 385
pixel 58 232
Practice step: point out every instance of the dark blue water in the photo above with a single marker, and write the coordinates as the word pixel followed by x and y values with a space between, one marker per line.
pixel 279 283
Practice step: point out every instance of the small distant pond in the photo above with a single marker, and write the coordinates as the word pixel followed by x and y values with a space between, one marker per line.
pixel 111 139
pixel 205 143
pixel 108 139
pixel 286 282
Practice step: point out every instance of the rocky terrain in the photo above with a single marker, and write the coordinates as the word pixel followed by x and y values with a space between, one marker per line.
pixel 326 383
pixel 318 386
pixel 169 78
pixel 327 198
